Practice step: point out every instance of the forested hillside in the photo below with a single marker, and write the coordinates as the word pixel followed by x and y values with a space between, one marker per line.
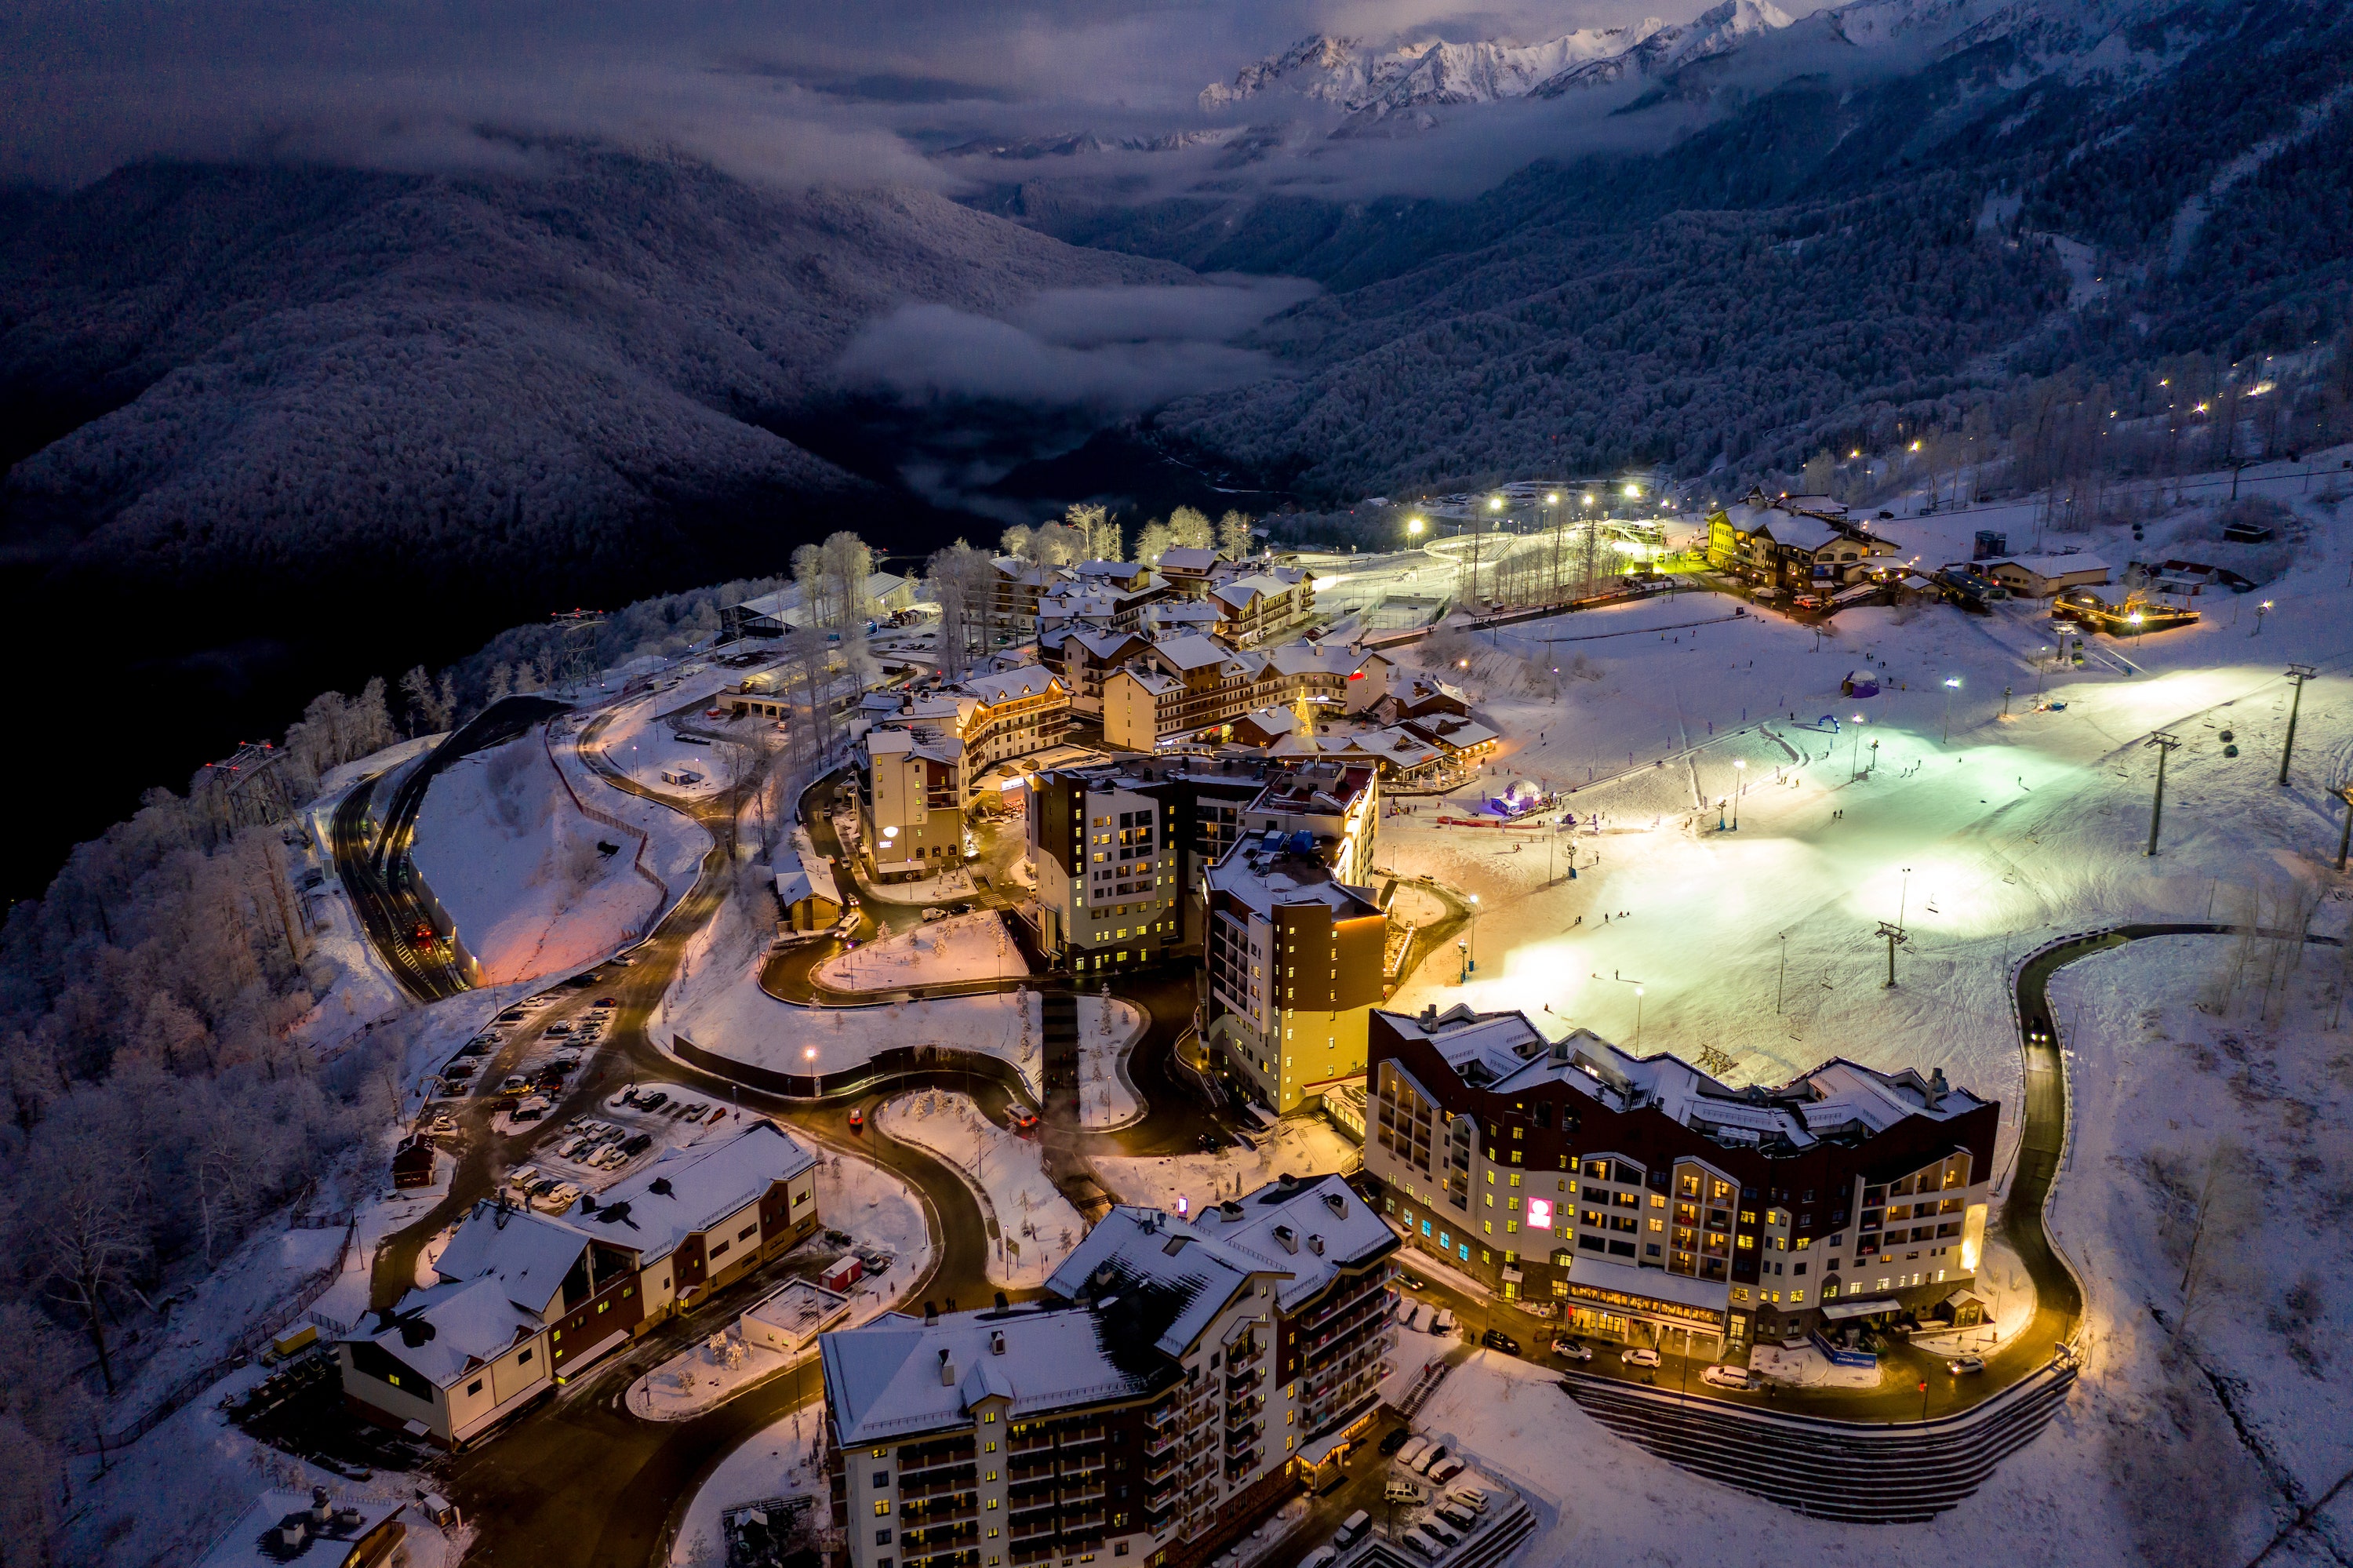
pixel 575 376
pixel 1827 260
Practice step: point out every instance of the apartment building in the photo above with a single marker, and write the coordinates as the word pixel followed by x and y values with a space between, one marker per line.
pixel 1649 1198
pixel 1081 657
pixel 926 758
pixel 1188 684
pixel 523 1300
pixel 1251 607
pixel 1166 1394
pixel 1796 544
pixel 1290 960
pixel 1337 803
pixel 1202 800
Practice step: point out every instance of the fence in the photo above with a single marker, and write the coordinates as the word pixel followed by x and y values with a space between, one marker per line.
pixel 243 1350
pixel 595 814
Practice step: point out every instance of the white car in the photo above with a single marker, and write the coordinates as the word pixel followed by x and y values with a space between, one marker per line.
pixel 1639 1356
pixel 1961 1365
pixel 1412 1454
pixel 1572 1349
pixel 1721 1376
pixel 1422 1544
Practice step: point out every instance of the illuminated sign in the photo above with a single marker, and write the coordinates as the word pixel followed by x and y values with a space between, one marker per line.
pixel 1540 1213
pixel 1642 1305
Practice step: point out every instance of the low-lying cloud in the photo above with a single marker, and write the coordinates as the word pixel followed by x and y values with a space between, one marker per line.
pixel 1113 351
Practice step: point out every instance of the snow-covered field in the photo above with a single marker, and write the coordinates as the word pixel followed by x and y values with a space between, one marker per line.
pixel 1674 934
pixel 719 1005
pixel 781 1461
pixel 972 946
pixel 1008 1171
pixel 1299 1145
pixel 675 844
pixel 518 867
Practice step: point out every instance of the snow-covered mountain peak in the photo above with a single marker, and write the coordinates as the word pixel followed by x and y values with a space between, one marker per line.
pixel 1360 78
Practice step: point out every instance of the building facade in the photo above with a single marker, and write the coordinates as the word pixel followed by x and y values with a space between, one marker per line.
pixel 1648 1199
pixel 1169 1390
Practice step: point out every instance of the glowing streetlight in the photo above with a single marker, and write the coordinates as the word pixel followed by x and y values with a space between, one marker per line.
pixel 1496 504
pixel 1414 525
pixel 1952 685
pixel 1633 492
pixel 1588 498
pixel 1552 500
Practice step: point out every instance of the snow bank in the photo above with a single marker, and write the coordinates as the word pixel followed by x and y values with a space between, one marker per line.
pixel 972 946
pixel 1008 1170
pixel 1108 1029
pixel 1301 1145
pixel 519 868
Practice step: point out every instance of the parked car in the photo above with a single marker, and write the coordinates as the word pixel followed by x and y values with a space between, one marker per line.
pixel 1210 1142
pixel 1404 1492
pixel 1395 1441
pixel 931 915
pixel 611 1001
pixel 1322 1557
pixel 1639 1356
pixel 1436 1452
pixel 1496 1339
pixel 1455 1514
pixel 1722 1376
pixel 1445 1470
pixel 1572 1349
pixel 1411 1317
pixel 1422 1544
pixel 1410 1455
pixel 1961 1365
pixel 1448 1536
pixel 559 1028
pixel 1442 1322
pixel 515 1083
pixel 1352 1529
pixel 1471 1496
pixel 652 1102
pixel 638 1144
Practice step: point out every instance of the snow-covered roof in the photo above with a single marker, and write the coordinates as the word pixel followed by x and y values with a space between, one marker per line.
pixel 784 605
pixel 804 873
pixel 1263 884
pixel 2050 566
pixel 1192 560
pixel 1503 1053
pixel 1296 658
pixel 1153 682
pixel 350 1520
pixel 690 1190
pixel 527 1253
pixel 1685 1290
pixel 1240 592
pixel 1450 733
pixel 898 1377
pixel 1006 685
pixel 1191 651
pixel 1271 721
pixel 445 1331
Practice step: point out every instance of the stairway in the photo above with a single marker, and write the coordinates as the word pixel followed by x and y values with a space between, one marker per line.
pixel 1900 1473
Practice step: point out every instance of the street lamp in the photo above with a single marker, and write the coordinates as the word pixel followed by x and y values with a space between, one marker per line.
pixel 1414 527
pixel 1952 685
pixel 1739 771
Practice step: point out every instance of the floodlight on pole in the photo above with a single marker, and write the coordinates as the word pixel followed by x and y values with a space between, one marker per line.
pixel 2164 742
pixel 1739 771
pixel 2299 673
pixel 1952 685
pixel 1414 525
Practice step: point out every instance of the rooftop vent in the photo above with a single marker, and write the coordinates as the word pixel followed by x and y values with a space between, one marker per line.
pixel 1315 1245
pixel 660 1186
pixel 947 1368
pixel 932 1317
pixel 1288 1238
pixel 1337 1204
pixel 997 1343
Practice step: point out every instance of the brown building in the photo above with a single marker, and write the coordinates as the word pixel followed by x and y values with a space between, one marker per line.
pixel 1647 1198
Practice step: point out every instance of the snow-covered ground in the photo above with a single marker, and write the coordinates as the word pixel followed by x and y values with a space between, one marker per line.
pixel 718 1004
pixel 519 868
pixel 642 745
pixel 1108 1029
pixel 675 842
pixel 780 1461
pixel 1674 934
pixel 1299 1145
pixel 1006 1169
pixel 878 1211
pixel 972 946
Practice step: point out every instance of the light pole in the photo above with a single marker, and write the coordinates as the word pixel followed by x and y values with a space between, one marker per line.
pixel 2299 673
pixel 2164 744
pixel 1621 979
pixel 2344 835
pixel 2261 609
pixel 1952 685
pixel 1781 982
pixel 1739 771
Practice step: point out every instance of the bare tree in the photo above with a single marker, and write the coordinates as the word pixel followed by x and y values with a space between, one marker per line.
pixel 1191 529
pixel 85 1223
pixel 1233 536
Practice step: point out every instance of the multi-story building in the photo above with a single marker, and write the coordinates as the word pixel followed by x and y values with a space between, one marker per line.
pixel 1648 1198
pixel 924 758
pixel 524 1300
pixel 774 614
pixel 1800 543
pixel 1203 803
pixel 1082 656
pixel 1249 608
pixel 1335 802
pixel 1168 1391
pixel 1290 961
pixel 1184 685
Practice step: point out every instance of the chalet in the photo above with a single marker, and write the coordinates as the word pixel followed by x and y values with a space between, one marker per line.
pixel 2042 576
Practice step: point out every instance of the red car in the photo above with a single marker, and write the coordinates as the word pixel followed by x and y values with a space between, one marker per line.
pixel 1022 1120
pixel 858 1119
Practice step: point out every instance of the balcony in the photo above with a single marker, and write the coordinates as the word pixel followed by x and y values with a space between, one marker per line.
pixel 940 1482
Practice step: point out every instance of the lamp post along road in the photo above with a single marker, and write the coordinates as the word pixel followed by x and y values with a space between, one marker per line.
pixel 2164 742
pixel 2299 673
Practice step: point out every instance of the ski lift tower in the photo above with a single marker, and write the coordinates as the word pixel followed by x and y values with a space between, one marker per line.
pixel 575 650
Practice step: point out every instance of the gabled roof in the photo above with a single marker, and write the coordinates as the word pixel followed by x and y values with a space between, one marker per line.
pixel 446 1331
pixel 1190 559
pixel 1240 592
pixel 1007 685
pixel 691 1190
pixel 527 1253
pixel 1191 651
pixel 2048 566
